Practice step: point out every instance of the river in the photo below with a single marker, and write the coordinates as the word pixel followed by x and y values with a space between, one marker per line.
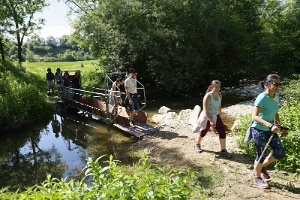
pixel 60 146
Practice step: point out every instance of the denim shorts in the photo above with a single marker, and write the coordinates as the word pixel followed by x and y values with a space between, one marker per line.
pixel 260 139
pixel 136 102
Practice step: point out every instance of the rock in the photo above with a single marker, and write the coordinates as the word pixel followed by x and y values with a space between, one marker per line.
pixel 194 114
pixel 184 115
pixel 163 110
pixel 163 118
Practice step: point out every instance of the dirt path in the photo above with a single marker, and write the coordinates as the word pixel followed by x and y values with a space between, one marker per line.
pixel 174 144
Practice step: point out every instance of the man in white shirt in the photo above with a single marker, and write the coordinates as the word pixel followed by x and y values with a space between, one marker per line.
pixel 132 95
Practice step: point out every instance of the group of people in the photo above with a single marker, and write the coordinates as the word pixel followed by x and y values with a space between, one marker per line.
pixel 132 100
pixel 59 80
pixel 263 129
pixel 265 119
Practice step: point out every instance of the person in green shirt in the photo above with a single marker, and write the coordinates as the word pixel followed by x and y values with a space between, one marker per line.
pixel 266 122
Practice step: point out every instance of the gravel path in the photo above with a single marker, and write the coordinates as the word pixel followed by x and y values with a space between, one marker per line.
pixel 173 146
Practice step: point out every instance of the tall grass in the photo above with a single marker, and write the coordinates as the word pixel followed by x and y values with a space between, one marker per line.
pixel 91 71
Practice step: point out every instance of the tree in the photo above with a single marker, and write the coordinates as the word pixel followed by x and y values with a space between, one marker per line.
pixel 19 17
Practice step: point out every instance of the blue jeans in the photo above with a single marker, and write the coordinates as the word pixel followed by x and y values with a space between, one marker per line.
pixel 260 139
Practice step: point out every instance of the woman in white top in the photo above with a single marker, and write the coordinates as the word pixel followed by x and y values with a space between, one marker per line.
pixel 115 97
pixel 210 117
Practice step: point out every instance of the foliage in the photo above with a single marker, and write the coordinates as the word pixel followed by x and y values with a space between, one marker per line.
pixel 19 19
pixel 289 117
pixel 113 181
pixel 21 99
pixel 177 45
pixel 52 49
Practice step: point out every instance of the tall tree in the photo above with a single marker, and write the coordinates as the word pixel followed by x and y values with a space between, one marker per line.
pixel 19 15
pixel 176 45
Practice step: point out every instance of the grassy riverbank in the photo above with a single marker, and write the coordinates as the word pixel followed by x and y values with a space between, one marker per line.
pixel 23 92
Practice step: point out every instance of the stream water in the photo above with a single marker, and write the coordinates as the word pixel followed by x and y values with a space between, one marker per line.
pixel 61 145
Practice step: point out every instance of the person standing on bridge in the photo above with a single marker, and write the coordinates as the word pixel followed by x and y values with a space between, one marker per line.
pixel 132 95
pixel 210 117
pixel 76 85
pixel 115 95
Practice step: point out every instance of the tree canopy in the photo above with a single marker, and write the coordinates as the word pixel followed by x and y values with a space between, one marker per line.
pixel 18 19
pixel 181 45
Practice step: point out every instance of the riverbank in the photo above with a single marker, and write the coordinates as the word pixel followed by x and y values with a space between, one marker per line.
pixel 173 146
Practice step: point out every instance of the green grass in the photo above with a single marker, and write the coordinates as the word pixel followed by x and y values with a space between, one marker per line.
pixel 40 68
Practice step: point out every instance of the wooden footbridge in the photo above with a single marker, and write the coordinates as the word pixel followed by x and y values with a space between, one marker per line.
pixel 96 101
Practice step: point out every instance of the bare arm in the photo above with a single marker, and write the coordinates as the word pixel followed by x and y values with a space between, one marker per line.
pixel 114 89
pixel 127 93
pixel 206 103
pixel 255 117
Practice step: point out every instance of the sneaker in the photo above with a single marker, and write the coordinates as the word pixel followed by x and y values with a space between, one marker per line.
pixel 198 148
pixel 264 173
pixel 131 123
pixel 260 183
pixel 226 153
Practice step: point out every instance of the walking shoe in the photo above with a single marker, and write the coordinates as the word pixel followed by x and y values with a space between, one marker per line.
pixel 226 153
pixel 131 123
pixel 260 183
pixel 198 148
pixel 264 173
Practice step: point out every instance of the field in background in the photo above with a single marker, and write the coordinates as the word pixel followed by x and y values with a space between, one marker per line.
pixel 40 68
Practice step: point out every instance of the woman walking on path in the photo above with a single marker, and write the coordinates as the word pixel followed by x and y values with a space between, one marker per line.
pixel 210 117
pixel 265 123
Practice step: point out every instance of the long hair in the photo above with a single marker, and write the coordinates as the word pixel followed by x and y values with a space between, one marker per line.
pixel 270 79
pixel 212 84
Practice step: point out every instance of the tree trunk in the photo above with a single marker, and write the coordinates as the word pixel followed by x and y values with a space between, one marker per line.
pixel 19 49
pixel 2 49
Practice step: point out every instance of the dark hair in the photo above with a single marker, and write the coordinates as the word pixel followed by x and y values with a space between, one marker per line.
pixel 270 79
pixel 212 84
pixel 132 70
pixel 120 80
pixel 49 70
pixel 58 69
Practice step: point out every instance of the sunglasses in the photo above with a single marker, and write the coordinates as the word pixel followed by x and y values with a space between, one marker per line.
pixel 276 84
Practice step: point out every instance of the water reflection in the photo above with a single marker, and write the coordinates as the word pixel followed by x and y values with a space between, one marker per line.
pixel 59 147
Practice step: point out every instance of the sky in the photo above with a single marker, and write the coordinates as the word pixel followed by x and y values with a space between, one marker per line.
pixel 57 23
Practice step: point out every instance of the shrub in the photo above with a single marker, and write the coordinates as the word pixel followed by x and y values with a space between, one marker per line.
pixel 113 181
pixel 20 98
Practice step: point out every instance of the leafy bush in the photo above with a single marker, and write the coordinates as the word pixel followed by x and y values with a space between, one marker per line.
pixel 20 98
pixel 113 181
